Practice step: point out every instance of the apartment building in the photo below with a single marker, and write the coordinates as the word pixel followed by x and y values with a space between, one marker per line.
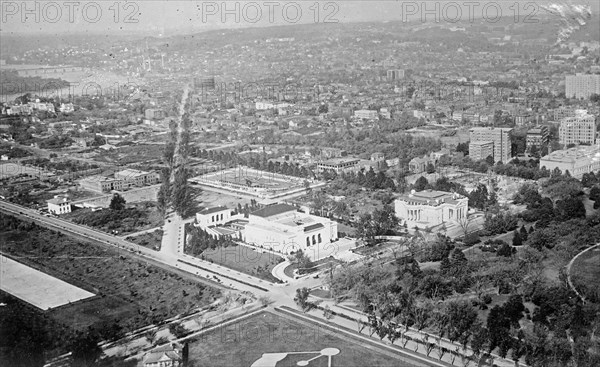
pixel 582 85
pixel 499 137
pixel 537 136
pixel 577 129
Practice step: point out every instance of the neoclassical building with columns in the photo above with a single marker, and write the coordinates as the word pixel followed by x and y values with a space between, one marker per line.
pixel 430 208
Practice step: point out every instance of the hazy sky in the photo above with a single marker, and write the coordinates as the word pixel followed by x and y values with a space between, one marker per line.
pixel 160 17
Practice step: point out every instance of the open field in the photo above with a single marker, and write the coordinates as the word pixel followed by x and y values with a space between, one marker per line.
pixel 267 339
pixel 129 291
pixel 37 288
pixel 585 273
pixel 245 260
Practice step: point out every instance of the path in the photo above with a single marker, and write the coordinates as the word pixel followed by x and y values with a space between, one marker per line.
pixel 569 270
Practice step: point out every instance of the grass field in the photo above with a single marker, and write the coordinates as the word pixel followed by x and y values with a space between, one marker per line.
pixel 244 343
pixel 585 273
pixel 245 260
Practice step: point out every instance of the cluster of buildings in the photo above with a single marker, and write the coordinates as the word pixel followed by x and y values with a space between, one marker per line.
pixel 31 107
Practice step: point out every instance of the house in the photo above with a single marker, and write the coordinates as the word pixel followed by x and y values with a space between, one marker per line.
pixel 166 356
pixel 59 205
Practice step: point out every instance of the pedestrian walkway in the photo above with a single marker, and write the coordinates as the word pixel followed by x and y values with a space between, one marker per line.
pixel 412 333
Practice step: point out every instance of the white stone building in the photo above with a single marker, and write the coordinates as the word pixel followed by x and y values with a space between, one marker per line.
pixel 59 205
pixel 282 228
pixel 430 208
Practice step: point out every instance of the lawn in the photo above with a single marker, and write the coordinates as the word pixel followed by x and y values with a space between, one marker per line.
pixel 585 273
pixel 151 240
pixel 129 291
pixel 245 342
pixel 225 252
pixel 246 260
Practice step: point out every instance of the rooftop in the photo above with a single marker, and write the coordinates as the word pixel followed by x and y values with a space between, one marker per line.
pixel 131 172
pixel 431 197
pixel 215 209
pixel 503 129
pixel 484 142
pixel 336 161
pixel 273 210
pixel 57 201
pixel 574 154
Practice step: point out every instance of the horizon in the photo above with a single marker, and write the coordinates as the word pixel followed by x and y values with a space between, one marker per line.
pixel 172 18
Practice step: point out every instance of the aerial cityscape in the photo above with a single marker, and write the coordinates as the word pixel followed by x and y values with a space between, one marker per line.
pixel 279 183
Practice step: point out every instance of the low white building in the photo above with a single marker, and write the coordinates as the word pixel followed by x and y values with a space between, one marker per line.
pixel 213 217
pixel 283 228
pixel 430 208
pixel 59 205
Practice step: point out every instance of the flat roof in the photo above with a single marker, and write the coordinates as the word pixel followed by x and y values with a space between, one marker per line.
pixel 272 210
pixel 485 142
pixel 212 210
pixel 573 154
pixel 431 197
pixel 37 288
pixel 336 161
pixel 131 172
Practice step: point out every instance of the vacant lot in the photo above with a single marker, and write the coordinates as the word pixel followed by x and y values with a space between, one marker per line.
pixel 136 217
pixel 128 291
pixel 585 273
pixel 284 342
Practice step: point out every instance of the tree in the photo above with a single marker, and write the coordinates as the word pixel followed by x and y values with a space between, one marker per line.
pixel 84 349
pixel 517 240
pixel 479 197
pixel 524 234
pixel 463 147
pixel 461 316
pixel 302 260
pixel 301 298
pixel 421 184
pixel 117 202
pixel 430 168
pixel 185 354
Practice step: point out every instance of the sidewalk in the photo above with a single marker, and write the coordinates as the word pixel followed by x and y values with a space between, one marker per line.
pixel 278 272
pixel 412 333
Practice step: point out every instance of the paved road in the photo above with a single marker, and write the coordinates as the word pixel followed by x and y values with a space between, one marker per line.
pixel 569 270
